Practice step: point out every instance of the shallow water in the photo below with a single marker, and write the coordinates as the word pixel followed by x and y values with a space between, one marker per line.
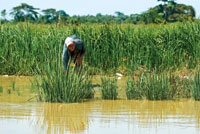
pixel 22 114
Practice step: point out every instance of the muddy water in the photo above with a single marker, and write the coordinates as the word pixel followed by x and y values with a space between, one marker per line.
pixel 21 115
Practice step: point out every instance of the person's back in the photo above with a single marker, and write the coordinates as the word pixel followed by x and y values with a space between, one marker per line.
pixel 73 48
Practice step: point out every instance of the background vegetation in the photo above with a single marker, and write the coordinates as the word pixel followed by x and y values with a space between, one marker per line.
pixel 117 43
pixel 26 47
pixel 168 12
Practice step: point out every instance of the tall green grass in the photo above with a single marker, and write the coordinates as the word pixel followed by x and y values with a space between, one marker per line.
pixel 29 49
pixel 108 88
pixel 24 47
pixel 56 85
pixel 156 86
pixel 149 86
pixel 196 87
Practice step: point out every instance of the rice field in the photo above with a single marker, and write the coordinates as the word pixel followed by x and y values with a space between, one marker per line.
pixel 150 54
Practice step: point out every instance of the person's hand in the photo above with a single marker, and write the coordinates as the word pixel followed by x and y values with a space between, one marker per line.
pixel 78 61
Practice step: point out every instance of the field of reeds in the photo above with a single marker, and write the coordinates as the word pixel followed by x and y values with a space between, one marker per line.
pixel 34 49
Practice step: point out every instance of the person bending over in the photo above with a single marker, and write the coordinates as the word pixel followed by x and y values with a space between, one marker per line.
pixel 73 49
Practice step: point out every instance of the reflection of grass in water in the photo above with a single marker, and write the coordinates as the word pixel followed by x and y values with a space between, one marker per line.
pixel 9 91
pixel 1 89
pixel 108 89
pixel 67 117
pixel 13 86
pixel 12 89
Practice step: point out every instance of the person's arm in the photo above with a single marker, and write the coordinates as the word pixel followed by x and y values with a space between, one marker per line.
pixel 65 58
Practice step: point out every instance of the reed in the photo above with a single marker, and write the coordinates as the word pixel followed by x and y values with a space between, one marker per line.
pixel 151 87
pixel 159 86
pixel 180 87
pixel 196 87
pixel 108 88
pixel 29 49
pixel 109 47
pixel 56 85
pixel 132 91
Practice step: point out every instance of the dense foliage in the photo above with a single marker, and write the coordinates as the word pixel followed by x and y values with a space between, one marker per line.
pixel 26 47
pixel 168 12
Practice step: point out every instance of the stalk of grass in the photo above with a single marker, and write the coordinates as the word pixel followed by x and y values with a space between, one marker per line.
pixel 108 88
pixel 148 86
pixel 196 87
pixel 132 91
pixel 157 87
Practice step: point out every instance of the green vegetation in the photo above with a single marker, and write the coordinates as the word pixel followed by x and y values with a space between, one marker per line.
pixel 27 47
pixel 32 49
pixel 108 88
pixel 55 85
pixel 114 44
pixel 196 87
pixel 168 12
pixel 154 86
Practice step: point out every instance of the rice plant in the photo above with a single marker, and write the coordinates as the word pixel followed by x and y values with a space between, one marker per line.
pixel 108 88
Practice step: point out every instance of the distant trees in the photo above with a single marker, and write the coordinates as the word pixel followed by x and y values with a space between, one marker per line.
pixel 180 12
pixel 177 12
pixel 168 12
pixel 3 14
pixel 51 15
pixel 24 12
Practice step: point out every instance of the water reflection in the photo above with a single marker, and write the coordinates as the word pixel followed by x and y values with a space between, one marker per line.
pixel 16 89
pixel 125 116
pixel 152 112
pixel 94 117
pixel 86 117
pixel 65 117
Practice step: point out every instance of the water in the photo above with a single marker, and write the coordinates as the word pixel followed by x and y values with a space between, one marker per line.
pixel 21 115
